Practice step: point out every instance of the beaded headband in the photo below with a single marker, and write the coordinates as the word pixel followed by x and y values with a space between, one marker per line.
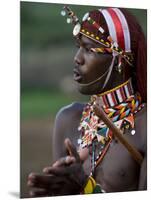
pixel 118 40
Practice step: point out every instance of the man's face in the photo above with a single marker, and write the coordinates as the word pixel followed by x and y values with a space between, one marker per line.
pixel 89 66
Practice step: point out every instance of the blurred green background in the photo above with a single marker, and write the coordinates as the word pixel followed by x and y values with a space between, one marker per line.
pixel 47 52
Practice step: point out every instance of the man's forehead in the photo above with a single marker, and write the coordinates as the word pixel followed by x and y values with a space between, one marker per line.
pixel 87 41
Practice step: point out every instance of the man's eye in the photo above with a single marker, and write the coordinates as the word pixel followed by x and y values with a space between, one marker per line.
pixel 88 50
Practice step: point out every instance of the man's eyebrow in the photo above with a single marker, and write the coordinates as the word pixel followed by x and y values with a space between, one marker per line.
pixel 85 44
pixel 88 44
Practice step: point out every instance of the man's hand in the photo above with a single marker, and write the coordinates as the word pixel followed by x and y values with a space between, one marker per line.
pixel 66 176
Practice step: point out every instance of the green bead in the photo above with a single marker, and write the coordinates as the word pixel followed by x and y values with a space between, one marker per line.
pixel 97 189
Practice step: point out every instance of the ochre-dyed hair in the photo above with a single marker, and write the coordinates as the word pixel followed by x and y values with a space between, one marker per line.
pixel 138 47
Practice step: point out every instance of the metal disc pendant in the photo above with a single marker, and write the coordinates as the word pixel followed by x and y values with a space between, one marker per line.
pixel 85 17
pixel 133 132
pixel 63 12
pixel 76 29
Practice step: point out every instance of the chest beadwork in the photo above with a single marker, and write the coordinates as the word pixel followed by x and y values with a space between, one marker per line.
pixel 96 136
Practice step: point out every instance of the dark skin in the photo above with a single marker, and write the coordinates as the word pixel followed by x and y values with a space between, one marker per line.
pixel 118 171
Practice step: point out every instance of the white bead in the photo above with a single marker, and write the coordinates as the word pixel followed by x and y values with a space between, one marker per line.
pixel 68 20
pixel 63 13
pixel 79 141
pixel 76 29
pixel 103 191
pixel 133 132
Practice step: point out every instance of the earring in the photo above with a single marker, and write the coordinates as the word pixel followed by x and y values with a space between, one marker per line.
pixel 119 68
pixel 119 65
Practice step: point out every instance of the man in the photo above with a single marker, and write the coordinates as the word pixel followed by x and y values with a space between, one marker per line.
pixel 110 65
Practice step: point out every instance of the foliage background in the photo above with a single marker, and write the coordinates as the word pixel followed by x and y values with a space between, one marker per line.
pixel 47 51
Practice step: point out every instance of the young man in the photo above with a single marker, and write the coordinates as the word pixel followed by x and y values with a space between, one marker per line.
pixel 110 65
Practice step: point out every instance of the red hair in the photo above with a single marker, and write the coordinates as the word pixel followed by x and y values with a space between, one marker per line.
pixel 139 49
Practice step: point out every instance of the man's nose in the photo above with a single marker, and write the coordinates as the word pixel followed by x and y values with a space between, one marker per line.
pixel 79 59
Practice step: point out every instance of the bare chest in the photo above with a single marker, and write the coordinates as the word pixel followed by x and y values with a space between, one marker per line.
pixel 117 171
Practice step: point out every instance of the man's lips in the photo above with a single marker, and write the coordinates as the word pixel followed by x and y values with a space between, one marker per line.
pixel 77 76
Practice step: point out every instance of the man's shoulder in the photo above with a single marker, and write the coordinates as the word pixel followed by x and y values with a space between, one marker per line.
pixel 66 124
pixel 71 111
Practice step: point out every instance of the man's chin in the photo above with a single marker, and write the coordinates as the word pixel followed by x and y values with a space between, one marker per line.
pixel 86 90
pixel 96 88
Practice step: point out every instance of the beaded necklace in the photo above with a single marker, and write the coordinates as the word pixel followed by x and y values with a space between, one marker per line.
pixel 120 104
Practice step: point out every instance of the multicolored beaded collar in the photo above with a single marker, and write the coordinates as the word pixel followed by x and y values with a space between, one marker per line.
pixel 120 104
pixel 117 95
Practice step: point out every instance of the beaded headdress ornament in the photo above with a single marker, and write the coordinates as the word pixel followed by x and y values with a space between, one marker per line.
pixel 118 40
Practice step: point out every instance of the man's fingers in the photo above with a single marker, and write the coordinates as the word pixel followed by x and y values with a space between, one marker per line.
pixel 54 189
pixel 67 160
pixel 58 171
pixel 38 192
pixel 64 171
pixel 72 149
pixel 64 161
pixel 41 181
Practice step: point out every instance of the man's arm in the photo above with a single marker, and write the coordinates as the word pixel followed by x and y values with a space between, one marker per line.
pixel 66 126
pixel 59 134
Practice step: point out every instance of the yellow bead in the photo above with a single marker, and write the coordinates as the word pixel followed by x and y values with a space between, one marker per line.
pixel 92 35
pixel 100 50
pixel 97 38
pixel 90 186
pixel 83 30
pixel 87 33
pixel 127 126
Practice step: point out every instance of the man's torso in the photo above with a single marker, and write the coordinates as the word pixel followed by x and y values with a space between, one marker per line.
pixel 118 171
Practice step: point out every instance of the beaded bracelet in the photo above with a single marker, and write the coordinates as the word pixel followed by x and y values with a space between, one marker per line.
pixel 92 187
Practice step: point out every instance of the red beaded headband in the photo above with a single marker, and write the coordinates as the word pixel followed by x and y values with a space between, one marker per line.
pixel 118 40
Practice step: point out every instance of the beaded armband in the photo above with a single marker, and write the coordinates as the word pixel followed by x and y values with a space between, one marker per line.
pixel 92 187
